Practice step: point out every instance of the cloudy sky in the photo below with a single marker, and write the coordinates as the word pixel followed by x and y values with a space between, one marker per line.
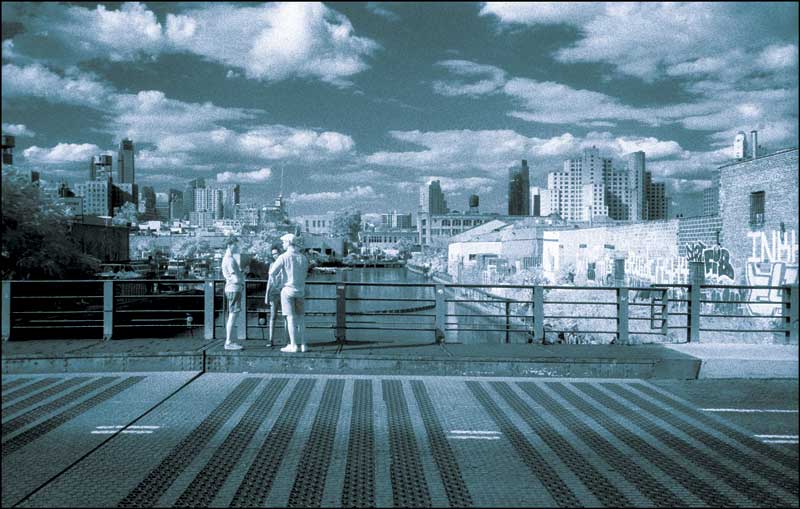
pixel 359 103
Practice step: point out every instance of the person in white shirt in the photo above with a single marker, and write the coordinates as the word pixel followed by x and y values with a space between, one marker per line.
pixel 234 281
pixel 291 268
pixel 273 296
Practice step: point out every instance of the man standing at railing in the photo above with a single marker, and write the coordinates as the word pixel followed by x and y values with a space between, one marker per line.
pixel 292 267
pixel 234 281
pixel 273 295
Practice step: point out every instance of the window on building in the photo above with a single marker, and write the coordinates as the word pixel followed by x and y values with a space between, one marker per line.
pixel 757 208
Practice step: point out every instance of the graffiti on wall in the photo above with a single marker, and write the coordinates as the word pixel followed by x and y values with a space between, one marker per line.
pixel 716 260
pixel 772 262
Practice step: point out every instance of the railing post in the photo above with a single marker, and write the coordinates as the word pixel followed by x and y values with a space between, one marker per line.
pixel 6 310
pixel 108 309
pixel 508 321
pixel 241 325
pixel 665 311
pixel 341 314
pixel 538 313
pixel 441 311
pixel 697 274
pixel 622 316
pixel 791 303
pixel 208 312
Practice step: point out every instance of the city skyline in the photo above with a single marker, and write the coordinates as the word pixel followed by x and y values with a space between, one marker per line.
pixel 360 103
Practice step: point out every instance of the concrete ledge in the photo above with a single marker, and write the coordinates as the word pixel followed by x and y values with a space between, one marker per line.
pixel 438 362
pixel 728 360
pixel 103 363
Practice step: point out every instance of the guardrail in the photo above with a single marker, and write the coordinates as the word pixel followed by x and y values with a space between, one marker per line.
pixel 120 308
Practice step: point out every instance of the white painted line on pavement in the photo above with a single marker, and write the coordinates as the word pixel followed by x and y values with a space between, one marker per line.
pixel 134 431
pixel 780 441
pixel 463 432
pixel 795 437
pixel 749 410
pixel 470 437
pixel 131 427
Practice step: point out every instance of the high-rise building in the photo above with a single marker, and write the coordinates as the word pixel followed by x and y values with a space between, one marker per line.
pixel 578 193
pixel 395 220
pixel 189 196
pixel 656 201
pixel 519 198
pixel 175 204
pixel 162 206
pixel 637 196
pixel 8 149
pixel 97 197
pixel 125 170
pixel 147 203
pixel 431 198
pixel 740 146
pixel 540 201
pixel 100 168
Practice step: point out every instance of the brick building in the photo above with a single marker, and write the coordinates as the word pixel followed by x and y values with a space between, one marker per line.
pixel 758 208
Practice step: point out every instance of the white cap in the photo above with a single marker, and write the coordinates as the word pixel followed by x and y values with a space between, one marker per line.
pixel 289 238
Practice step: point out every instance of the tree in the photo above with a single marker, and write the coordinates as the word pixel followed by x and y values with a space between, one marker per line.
pixel 347 223
pixel 125 214
pixel 404 247
pixel 35 235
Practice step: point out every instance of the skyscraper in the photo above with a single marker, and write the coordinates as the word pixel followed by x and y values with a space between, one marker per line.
pixel 8 149
pixel 519 198
pixel 125 173
pixel 431 198
pixel 636 191
pixel 100 168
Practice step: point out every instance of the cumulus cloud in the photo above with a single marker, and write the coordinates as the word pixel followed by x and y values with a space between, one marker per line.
pixel 354 177
pixel 350 194
pixel 248 177
pixel 494 78
pixel 62 153
pixel 271 42
pixel 542 12
pixel 653 39
pixel 555 103
pixel 35 80
pixel 19 130
pixel 125 34
pixel 380 9
pixel 493 151
pixel 274 41
pixel 278 142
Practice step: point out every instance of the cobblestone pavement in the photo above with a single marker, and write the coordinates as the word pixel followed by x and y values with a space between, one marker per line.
pixel 222 440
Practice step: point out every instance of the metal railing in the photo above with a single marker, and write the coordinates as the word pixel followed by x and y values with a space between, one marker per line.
pixel 514 313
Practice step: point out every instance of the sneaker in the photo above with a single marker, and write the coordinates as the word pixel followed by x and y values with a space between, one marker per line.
pixel 233 346
pixel 304 349
pixel 289 349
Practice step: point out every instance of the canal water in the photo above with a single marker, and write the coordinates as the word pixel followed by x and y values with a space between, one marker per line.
pixel 381 308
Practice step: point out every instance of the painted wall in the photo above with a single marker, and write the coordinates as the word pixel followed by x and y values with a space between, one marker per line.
pixel 762 254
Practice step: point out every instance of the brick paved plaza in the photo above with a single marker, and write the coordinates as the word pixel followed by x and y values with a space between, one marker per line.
pixel 221 440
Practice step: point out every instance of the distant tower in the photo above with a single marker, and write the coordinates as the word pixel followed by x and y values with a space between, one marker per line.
pixel 519 198
pixel 8 149
pixel 125 174
pixel 473 203
pixel 431 198
pixel 754 143
pixel 740 145
pixel 100 168
pixel 636 193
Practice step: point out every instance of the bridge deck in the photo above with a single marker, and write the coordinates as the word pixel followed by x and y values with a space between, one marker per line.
pixel 688 361
pixel 223 439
